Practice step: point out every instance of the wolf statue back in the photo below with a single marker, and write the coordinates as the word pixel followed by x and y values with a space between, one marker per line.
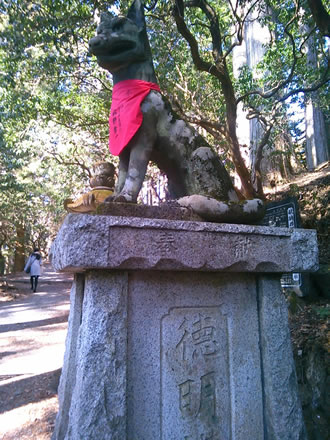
pixel 143 128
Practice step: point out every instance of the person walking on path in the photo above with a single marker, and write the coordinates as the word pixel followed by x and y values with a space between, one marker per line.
pixel 33 267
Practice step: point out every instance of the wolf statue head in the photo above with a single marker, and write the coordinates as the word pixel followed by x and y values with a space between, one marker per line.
pixel 121 45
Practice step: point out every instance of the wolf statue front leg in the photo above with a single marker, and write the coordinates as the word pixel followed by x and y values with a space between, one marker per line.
pixel 133 161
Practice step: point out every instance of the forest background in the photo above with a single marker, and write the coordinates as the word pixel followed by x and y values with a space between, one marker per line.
pixel 252 76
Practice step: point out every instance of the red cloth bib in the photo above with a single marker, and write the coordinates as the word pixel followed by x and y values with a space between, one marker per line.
pixel 125 114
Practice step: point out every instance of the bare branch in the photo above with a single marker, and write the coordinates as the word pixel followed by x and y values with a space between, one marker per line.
pixel 239 32
pixel 214 128
pixel 60 160
pixel 217 130
pixel 306 39
pixel 234 9
pixel 102 82
pixel 214 26
pixel 313 88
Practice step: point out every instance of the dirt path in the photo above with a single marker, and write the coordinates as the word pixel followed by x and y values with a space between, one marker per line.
pixel 32 335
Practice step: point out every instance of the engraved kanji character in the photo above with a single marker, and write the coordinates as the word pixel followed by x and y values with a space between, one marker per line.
pixel 185 400
pixel 207 395
pixel 166 242
pixel 290 218
pixel 203 336
pixel 182 344
pixel 241 247
pixel 198 338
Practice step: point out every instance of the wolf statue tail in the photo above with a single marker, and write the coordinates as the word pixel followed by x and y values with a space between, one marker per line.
pixel 212 195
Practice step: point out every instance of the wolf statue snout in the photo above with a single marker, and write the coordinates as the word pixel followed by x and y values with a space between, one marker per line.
pixel 95 44
pixel 143 127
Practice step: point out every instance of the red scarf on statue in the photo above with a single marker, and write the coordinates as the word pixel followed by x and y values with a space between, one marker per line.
pixel 125 114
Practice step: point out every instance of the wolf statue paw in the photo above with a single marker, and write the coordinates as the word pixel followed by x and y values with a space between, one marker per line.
pixel 143 128
pixel 122 198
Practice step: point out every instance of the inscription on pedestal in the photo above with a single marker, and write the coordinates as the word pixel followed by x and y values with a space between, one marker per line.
pixel 195 384
pixel 165 243
pixel 186 249
pixel 242 246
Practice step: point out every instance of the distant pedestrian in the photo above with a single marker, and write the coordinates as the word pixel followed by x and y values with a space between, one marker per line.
pixel 33 268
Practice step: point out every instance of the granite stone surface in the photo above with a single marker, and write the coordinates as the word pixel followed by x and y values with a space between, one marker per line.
pixel 193 357
pixel 98 402
pixel 105 242
pixel 283 414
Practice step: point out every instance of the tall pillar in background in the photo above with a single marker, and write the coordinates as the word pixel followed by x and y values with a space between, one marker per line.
pixel 317 149
pixel 249 53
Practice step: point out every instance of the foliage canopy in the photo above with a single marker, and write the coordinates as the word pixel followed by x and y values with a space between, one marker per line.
pixel 55 99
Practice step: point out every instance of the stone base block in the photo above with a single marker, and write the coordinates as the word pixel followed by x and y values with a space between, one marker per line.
pixel 176 354
pixel 170 355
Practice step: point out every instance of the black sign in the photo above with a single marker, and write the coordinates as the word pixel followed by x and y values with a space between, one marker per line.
pixel 284 214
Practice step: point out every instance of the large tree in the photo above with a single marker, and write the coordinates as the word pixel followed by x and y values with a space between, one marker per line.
pixel 54 77
pixel 55 99
pixel 53 118
pixel 284 75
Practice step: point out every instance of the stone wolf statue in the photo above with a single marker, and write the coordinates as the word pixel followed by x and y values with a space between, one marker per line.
pixel 143 128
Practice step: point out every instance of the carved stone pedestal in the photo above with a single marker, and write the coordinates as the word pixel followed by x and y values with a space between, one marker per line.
pixel 178 330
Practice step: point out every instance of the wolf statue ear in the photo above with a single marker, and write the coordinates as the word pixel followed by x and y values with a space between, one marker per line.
pixel 106 16
pixel 136 13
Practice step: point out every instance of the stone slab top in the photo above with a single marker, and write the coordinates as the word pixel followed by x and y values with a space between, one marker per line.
pixel 87 242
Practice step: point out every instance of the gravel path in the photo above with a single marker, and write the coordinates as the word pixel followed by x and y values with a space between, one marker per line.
pixel 32 335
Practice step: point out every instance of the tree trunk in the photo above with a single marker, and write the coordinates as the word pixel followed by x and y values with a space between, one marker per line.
pixel 220 71
pixel 2 262
pixel 316 137
pixel 19 255
pixel 250 132
pixel 320 15
pixel 231 119
pixel 257 174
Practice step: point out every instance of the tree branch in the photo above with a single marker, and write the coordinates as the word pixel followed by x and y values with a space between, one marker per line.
pixel 313 88
pixel 59 159
pixel 282 84
pixel 217 130
pixel 320 15
pixel 178 15
pixel 241 24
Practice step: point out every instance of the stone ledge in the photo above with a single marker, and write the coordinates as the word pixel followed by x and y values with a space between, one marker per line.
pixel 128 243
pixel 166 211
